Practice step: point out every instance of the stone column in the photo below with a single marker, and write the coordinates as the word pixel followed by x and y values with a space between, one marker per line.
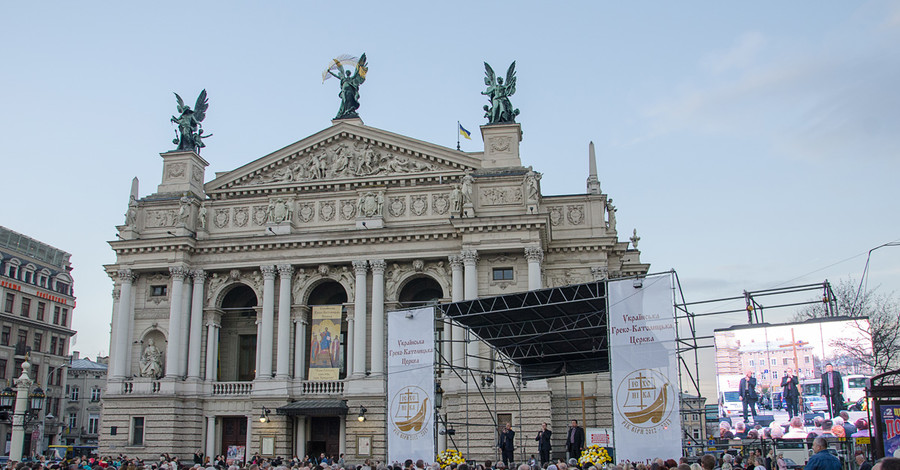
pixel 457 333
pixel 213 322
pixel 177 273
pixel 301 436
pixel 211 437
pixel 535 256
pixel 114 327
pixel 300 344
pixel 248 451
pixel 378 339
pixel 196 325
pixel 186 309
pixel 470 258
pixel 267 329
pixel 123 329
pixel 359 307
pixel 351 333
pixel 284 321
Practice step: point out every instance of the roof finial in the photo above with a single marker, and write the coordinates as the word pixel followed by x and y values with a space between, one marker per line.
pixel 593 184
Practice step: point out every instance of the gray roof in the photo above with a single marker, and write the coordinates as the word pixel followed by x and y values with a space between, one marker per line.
pixel 87 364
pixel 30 247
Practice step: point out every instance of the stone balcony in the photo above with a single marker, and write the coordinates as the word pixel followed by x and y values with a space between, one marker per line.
pixel 140 386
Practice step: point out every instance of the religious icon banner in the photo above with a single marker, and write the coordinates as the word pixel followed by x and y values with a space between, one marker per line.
pixel 325 343
pixel 410 385
pixel 644 369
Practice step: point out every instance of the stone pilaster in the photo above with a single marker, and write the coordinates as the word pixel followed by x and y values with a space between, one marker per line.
pixel 378 339
pixel 360 267
pixel 284 321
pixel 173 352
pixel 267 328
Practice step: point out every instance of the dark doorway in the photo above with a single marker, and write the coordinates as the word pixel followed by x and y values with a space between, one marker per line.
pixel 420 292
pixel 247 357
pixel 324 436
pixel 234 433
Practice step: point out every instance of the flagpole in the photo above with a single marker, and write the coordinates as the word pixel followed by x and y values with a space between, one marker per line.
pixel 457 135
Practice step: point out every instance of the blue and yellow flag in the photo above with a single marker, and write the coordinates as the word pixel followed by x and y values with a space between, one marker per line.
pixel 463 132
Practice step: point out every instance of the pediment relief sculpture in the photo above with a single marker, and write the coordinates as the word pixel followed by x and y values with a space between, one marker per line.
pixel 342 159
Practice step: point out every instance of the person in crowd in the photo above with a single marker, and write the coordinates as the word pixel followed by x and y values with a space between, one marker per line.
pixel 506 443
pixel 543 439
pixel 748 395
pixel 862 428
pixel 574 440
pixel 725 430
pixel 887 463
pixel 849 428
pixel 837 427
pixel 777 432
pixel 779 462
pixel 740 430
pixel 790 392
pixel 832 390
pixel 861 462
pixel 822 459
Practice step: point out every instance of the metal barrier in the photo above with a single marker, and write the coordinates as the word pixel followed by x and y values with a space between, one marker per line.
pixel 798 450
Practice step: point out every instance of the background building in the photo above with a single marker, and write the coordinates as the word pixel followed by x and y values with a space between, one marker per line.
pixel 36 291
pixel 84 389
pixel 217 284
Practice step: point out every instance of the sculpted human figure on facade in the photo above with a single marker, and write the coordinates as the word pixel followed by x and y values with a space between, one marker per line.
pixel 455 200
pixel 611 210
pixel 466 187
pixel 184 210
pixel 201 217
pixel 531 185
pixel 151 361
pixel 131 213
pixel 279 211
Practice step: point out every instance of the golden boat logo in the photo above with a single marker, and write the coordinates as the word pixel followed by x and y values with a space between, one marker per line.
pixel 410 412
pixel 642 398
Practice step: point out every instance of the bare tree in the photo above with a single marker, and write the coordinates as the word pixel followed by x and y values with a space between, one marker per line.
pixel 881 333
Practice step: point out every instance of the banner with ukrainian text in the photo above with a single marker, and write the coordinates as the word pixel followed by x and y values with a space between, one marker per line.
pixel 644 369
pixel 410 385
pixel 325 342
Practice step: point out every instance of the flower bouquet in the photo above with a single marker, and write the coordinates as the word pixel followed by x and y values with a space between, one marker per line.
pixel 594 455
pixel 448 457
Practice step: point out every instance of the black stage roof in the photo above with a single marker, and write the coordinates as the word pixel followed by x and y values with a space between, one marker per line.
pixel 547 332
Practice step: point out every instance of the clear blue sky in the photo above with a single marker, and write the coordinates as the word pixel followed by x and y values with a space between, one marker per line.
pixel 752 145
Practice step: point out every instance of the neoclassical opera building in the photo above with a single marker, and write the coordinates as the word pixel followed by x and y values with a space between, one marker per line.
pixel 216 283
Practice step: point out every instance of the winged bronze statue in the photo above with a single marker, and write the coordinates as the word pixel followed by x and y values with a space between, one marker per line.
pixel 500 111
pixel 189 136
pixel 349 84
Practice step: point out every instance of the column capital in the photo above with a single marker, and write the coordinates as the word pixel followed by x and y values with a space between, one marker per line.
pixel 534 253
pixel 268 272
pixel 178 272
pixel 456 261
pixel 126 275
pixel 213 318
pixel 378 266
pixel 199 276
pixel 469 256
pixel 600 273
pixel 116 294
pixel 360 266
pixel 285 270
pixel 301 320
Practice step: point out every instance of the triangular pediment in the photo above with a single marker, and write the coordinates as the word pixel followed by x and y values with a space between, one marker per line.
pixel 344 153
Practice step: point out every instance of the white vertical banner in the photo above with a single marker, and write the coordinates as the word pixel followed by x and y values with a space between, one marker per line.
pixel 410 385
pixel 644 369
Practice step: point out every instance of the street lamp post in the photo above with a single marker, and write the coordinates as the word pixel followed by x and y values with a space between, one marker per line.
pixel 22 412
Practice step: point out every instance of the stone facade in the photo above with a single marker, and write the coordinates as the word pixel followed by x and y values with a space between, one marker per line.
pixel 37 304
pixel 223 277
pixel 84 389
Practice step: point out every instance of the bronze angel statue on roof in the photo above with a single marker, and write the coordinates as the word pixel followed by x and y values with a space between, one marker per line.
pixel 349 83
pixel 500 111
pixel 189 136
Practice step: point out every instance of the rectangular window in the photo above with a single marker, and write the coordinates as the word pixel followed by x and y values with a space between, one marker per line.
pixel 40 310
pixel 26 307
pixel 38 341
pixel 137 431
pixel 13 272
pixel 56 315
pixel 158 291
pixel 2 369
pixel 62 347
pixel 17 370
pixel 751 362
pixel 53 344
pixel 93 424
pixel 73 420
pixel 65 317
pixel 23 338
pixel 774 374
pixel 95 394
pixel 784 362
pixel 28 277
pixel 503 274
pixel 59 378
pixel 4 335
pixel 806 359
pixel 774 362
pixel 62 288
pixel 10 300
pixel 696 433
pixel 73 393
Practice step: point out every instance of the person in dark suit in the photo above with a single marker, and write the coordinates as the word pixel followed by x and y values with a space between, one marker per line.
pixel 790 392
pixel 505 444
pixel 748 396
pixel 574 440
pixel 832 390
pixel 543 439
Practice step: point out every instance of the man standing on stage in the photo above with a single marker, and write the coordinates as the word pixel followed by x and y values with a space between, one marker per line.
pixel 832 390
pixel 790 392
pixel 505 444
pixel 748 394
pixel 574 440
pixel 543 439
